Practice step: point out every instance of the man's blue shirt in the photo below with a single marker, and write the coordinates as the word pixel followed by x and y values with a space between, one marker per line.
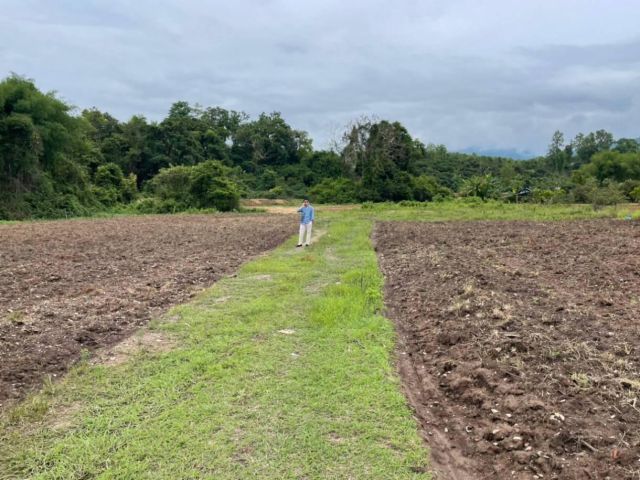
pixel 307 215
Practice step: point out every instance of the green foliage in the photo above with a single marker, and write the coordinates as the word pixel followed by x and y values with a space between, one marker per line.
pixel 55 164
pixel 172 183
pixel 549 195
pixel 275 192
pixel 426 188
pixel 627 187
pixel 206 185
pixel 387 163
pixel 334 190
pixel 268 141
pixel 109 175
pixel 627 145
pixel 210 187
pixel 43 152
pixel 586 146
pixel 635 194
pixel 148 205
pixel 483 187
pixel 614 166
pixel 609 194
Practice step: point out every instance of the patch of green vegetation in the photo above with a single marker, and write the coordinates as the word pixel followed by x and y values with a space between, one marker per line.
pixel 581 379
pixel 476 209
pixel 13 317
pixel 283 371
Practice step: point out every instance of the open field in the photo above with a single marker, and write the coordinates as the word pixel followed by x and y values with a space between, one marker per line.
pixel 286 370
pixel 280 372
pixel 518 344
pixel 82 284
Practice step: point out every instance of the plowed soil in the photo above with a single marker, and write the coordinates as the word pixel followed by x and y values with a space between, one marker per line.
pixel 519 344
pixel 82 284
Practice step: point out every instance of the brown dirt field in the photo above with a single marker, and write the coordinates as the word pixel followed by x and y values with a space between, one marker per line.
pixel 84 284
pixel 519 344
pixel 323 208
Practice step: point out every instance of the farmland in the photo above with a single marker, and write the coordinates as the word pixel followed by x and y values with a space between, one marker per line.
pixel 77 285
pixel 519 344
pixel 508 348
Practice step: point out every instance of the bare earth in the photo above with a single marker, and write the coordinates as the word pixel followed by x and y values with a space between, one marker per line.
pixel 519 344
pixel 82 284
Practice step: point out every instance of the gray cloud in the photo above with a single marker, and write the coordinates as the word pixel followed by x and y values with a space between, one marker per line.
pixel 488 75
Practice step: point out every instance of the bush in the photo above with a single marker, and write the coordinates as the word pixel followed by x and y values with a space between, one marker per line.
pixel 172 183
pixel 275 192
pixel 425 188
pixel 112 187
pixel 628 187
pixel 108 175
pixel 484 187
pixel 107 196
pixel 149 205
pixel 583 192
pixel 339 190
pixel 130 188
pixel 206 185
pixel 610 194
pixel 210 187
pixel 635 194
pixel 549 196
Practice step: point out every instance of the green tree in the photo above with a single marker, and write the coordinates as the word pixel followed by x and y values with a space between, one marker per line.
pixel 614 166
pixel 586 146
pixel 627 145
pixel 483 187
pixel 211 186
pixel 44 152
pixel 387 163
pixel 558 155
pixel 426 188
pixel 268 142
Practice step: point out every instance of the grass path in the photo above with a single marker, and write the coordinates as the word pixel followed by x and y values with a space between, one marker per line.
pixel 281 372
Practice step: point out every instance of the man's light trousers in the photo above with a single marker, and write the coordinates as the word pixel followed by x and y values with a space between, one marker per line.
pixel 305 228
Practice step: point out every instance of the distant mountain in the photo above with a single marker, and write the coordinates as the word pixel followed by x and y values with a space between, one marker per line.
pixel 501 152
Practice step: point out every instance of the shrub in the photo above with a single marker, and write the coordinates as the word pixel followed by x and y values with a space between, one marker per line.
pixel 610 194
pixel 206 185
pixel 172 182
pixel 130 188
pixel 151 205
pixel 109 175
pixel 483 187
pixel 425 188
pixel 107 196
pixel 339 190
pixel 275 192
pixel 210 187
pixel 628 187
pixel 549 195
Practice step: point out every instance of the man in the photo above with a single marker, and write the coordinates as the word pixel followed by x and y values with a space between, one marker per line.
pixel 306 222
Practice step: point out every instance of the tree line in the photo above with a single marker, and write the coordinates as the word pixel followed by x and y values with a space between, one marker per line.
pixel 54 162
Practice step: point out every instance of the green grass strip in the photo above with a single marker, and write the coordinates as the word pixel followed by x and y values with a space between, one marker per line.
pixel 237 398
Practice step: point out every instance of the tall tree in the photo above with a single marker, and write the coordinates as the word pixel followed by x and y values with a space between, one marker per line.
pixel 558 155
pixel 43 152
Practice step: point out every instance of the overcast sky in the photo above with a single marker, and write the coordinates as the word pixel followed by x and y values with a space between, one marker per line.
pixel 470 74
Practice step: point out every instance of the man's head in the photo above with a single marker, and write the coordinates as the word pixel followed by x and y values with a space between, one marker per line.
pixel 305 202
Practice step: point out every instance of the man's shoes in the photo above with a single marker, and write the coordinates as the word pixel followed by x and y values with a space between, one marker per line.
pixel 299 245
pixel 306 245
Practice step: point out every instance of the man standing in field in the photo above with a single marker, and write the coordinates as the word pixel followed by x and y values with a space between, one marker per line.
pixel 306 222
